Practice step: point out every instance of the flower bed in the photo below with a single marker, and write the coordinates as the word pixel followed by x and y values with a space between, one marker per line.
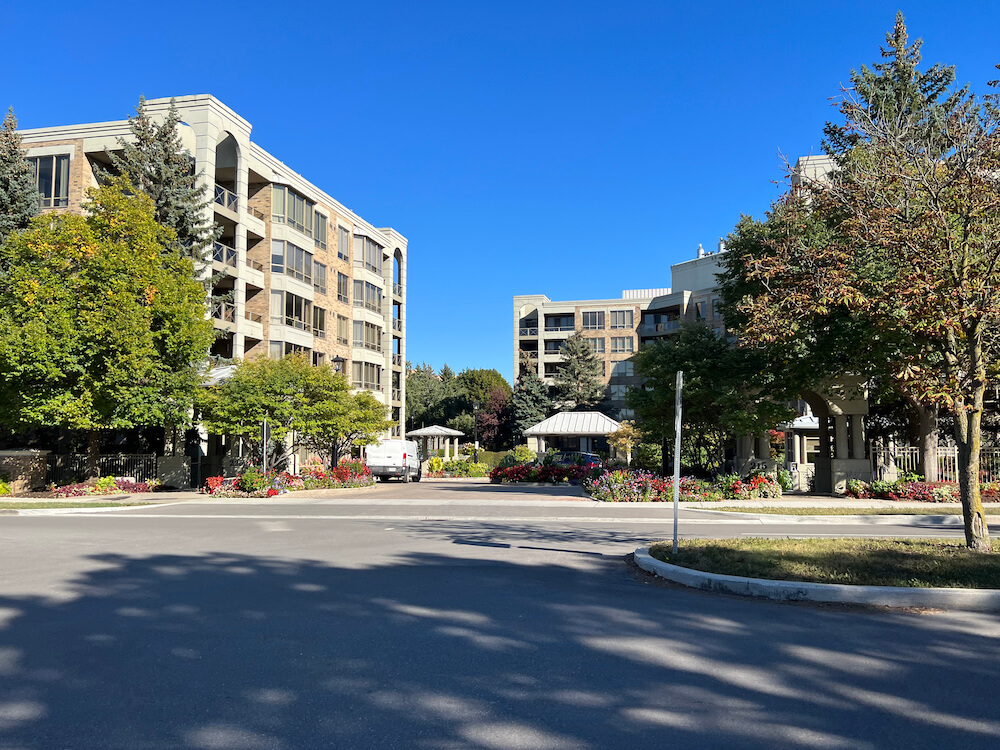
pixel 920 492
pixel 636 486
pixel 548 474
pixel 254 483
pixel 437 467
pixel 104 486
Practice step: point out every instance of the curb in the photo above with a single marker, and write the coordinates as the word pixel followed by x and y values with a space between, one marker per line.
pixel 969 600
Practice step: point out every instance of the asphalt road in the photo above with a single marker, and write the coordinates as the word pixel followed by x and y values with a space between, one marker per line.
pixel 398 619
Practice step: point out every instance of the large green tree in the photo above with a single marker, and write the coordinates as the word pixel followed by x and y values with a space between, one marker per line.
pixel 579 382
pixel 530 403
pixel 156 162
pixel 302 404
pixel 101 327
pixel 915 196
pixel 479 384
pixel 18 193
pixel 726 392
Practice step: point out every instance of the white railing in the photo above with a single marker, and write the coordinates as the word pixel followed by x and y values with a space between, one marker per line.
pixel 906 459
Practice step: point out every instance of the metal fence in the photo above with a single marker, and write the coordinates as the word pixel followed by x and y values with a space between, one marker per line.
pixel 907 459
pixel 64 469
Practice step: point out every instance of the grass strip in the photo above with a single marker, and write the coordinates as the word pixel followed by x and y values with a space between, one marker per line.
pixel 33 505
pixel 931 510
pixel 857 561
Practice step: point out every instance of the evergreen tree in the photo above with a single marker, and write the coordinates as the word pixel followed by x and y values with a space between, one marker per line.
pixel 18 193
pixel 530 403
pixel 156 163
pixel 579 384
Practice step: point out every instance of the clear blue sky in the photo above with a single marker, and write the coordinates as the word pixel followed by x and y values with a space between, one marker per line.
pixel 572 149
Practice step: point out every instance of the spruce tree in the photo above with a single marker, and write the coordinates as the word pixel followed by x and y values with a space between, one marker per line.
pixel 18 193
pixel 530 403
pixel 579 384
pixel 156 163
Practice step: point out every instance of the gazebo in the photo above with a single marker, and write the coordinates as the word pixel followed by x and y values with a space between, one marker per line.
pixel 438 434
pixel 571 430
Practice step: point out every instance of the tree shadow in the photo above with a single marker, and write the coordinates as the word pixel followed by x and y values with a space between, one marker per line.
pixel 221 651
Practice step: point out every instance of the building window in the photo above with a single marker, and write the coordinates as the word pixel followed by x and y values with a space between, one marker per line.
pixel 623 369
pixel 367 336
pixel 367 254
pixel 275 349
pixel 552 368
pixel 319 277
pixel 621 344
pixel 553 346
pixel 343 329
pixel 52 180
pixel 597 345
pixel 699 310
pixel 717 309
pixel 559 323
pixel 319 229
pixel 593 321
pixel 298 312
pixel 277 308
pixel 343 243
pixel 342 289
pixel 621 319
pixel 291 260
pixel 288 207
pixel 319 322
pixel 618 392
pixel 294 349
pixel 368 296
pixel 319 359
pixel 366 375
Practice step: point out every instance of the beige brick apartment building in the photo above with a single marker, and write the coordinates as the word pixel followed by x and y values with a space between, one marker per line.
pixel 304 273
pixel 615 328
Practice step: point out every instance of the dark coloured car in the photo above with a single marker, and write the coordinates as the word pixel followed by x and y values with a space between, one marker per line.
pixel 577 458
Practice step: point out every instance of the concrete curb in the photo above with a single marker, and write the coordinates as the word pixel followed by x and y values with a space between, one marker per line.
pixel 970 600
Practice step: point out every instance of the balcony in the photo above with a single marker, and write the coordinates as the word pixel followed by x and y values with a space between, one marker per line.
pixel 227 199
pixel 397 394
pixel 397 360
pixel 529 331
pixel 655 329
pixel 224 311
pixel 397 324
pixel 224 254
pixel 397 289
pixel 526 354
pixel 254 325
pixel 555 329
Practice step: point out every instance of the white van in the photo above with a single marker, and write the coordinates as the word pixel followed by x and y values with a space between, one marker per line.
pixel 394 458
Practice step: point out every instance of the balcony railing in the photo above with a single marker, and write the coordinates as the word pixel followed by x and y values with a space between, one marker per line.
pixel 254 212
pixel 651 329
pixel 533 354
pixel 397 394
pixel 397 324
pixel 255 264
pixel 227 198
pixel 559 328
pixel 397 289
pixel 531 331
pixel 253 317
pixel 224 311
pixel 397 360
pixel 224 254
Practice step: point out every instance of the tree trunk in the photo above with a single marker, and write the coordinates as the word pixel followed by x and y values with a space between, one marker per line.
pixel 928 442
pixel 93 454
pixel 968 435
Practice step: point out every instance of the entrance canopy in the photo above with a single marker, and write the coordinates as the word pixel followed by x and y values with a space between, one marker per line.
pixel 574 430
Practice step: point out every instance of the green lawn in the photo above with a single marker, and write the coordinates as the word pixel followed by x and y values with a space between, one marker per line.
pixel 31 505
pixel 930 510
pixel 874 562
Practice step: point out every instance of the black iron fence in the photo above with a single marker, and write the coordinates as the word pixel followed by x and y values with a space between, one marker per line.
pixel 66 469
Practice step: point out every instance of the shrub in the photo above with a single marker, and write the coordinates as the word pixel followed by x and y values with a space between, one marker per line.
pixel 5 489
pixel 785 479
pixel 212 484
pixel 857 488
pixel 648 456
pixel 105 486
pixel 754 487
pixel 435 464
pixel 252 481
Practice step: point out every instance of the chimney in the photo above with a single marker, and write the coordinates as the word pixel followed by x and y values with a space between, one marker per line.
pixel 701 251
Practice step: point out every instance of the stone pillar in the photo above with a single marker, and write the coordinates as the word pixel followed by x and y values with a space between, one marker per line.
pixel 857 436
pixel 841 448
pixel 796 448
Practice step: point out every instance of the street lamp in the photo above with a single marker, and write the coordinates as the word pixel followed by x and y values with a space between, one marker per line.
pixel 338 363
pixel 475 431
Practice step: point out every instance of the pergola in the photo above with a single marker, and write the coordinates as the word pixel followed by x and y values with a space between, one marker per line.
pixel 437 433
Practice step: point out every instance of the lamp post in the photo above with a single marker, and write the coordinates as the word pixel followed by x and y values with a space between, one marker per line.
pixel 338 363
pixel 475 431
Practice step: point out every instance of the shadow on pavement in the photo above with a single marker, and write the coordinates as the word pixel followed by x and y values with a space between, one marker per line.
pixel 221 651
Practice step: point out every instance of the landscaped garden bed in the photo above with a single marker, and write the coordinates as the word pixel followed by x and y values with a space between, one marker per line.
pixel 915 491
pixel 439 468
pixel 863 562
pixel 637 486
pixel 255 483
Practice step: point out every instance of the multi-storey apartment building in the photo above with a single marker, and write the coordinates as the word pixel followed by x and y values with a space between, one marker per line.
pixel 615 328
pixel 303 273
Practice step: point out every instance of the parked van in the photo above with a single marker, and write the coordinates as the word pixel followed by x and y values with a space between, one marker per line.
pixel 394 458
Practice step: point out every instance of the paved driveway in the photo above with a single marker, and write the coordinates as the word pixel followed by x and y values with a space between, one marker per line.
pixel 258 629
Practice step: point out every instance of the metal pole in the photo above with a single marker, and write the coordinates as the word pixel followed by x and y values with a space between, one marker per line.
pixel 677 452
pixel 263 452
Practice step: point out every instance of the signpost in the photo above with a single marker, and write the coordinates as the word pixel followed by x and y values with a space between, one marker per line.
pixel 677 452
